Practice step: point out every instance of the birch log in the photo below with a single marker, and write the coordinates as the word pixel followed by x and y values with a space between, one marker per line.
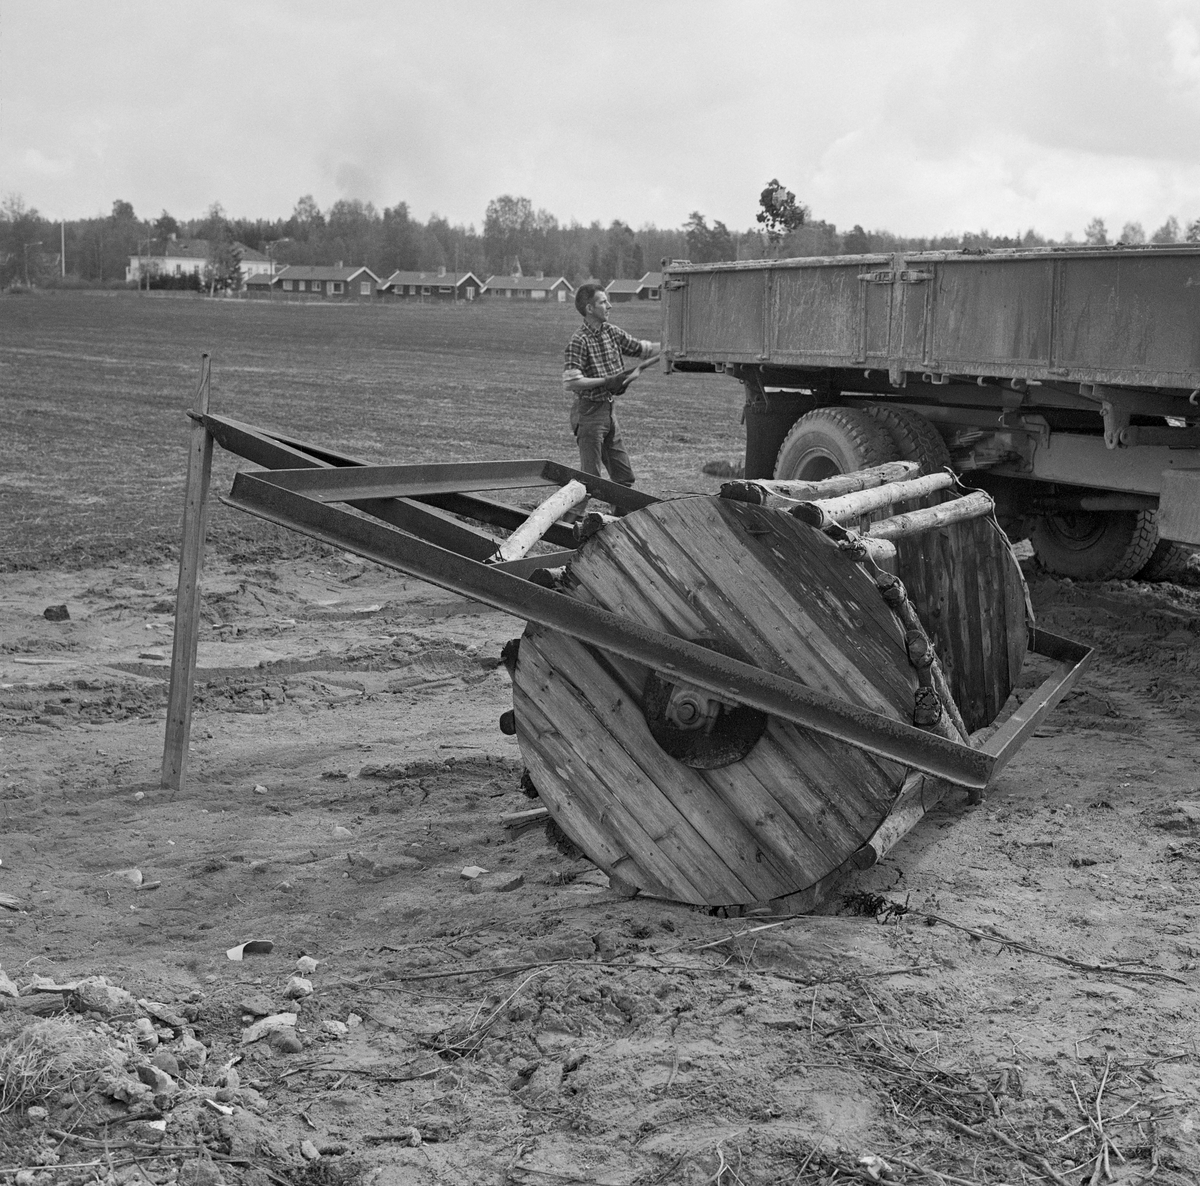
pixel 971 506
pixel 532 530
pixel 783 493
pixel 822 512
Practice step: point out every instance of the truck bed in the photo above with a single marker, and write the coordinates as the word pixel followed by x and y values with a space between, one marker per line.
pixel 1113 316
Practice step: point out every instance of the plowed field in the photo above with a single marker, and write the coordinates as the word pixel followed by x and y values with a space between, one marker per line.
pixel 1011 996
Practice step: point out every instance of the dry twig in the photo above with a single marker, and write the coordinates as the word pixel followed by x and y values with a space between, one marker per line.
pixel 982 1134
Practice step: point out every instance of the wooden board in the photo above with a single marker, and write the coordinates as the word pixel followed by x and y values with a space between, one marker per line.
pixel 970 596
pixel 799 804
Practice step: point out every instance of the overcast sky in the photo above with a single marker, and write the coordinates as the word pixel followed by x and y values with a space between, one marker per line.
pixel 916 116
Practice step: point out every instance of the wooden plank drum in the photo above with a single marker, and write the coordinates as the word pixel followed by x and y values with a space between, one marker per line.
pixel 688 797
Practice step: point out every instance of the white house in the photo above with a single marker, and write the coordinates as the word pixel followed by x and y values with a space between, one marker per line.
pixel 169 257
pixel 189 257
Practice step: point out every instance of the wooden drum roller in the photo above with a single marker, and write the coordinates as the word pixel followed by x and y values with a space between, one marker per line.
pixel 693 797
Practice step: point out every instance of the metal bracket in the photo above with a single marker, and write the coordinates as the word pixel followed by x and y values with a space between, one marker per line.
pixel 891 275
pixel 1034 426
pixel 1116 406
pixel 1073 659
pixel 979 449
pixel 1116 421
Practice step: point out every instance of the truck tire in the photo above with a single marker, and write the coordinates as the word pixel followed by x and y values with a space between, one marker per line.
pixel 1167 562
pixel 914 437
pixel 1095 545
pixel 829 441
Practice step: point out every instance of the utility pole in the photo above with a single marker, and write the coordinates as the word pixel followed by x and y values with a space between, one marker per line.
pixel 456 245
pixel 146 268
pixel 271 263
pixel 62 255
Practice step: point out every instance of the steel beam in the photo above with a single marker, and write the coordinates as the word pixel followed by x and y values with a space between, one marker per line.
pixel 276 451
pixel 264 495
pixel 437 526
pixel 348 483
pixel 414 481
pixel 1073 659
pixel 621 497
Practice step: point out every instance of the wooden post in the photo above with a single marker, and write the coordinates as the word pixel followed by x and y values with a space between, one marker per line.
pixel 187 597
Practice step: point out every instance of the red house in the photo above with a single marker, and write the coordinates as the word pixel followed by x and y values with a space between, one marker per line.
pixel 305 282
pixel 431 286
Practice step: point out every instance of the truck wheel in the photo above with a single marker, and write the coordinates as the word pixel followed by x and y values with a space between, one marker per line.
pixel 1167 562
pixel 831 441
pixel 914 437
pixel 1095 545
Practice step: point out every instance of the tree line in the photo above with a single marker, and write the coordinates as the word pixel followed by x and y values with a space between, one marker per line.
pixel 513 236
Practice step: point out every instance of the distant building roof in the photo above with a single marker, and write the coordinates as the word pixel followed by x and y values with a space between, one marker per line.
pixel 529 283
pixel 320 272
pixel 440 278
pixel 179 249
pixel 198 249
pixel 260 280
pixel 649 280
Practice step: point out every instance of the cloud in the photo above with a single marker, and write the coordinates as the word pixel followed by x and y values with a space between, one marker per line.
pixel 916 117
pixel 38 164
pixel 1002 183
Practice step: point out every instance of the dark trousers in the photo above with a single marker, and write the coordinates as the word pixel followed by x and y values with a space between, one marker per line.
pixel 599 437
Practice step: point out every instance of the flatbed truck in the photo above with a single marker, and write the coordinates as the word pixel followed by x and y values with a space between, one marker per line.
pixel 1065 382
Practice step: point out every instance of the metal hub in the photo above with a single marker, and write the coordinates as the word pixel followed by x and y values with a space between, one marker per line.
pixel 694 726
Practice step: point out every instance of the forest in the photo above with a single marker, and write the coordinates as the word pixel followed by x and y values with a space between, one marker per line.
pixel 513 235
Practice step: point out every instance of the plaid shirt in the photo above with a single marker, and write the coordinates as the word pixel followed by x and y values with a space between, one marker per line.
pixel 597 353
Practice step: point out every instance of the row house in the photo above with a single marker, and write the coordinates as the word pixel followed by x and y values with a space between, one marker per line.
pixel 431 286
pixel 308 282
pixel 648 288
pixel 529 288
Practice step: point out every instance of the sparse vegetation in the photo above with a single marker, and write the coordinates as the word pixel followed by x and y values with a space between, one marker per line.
pixel 46 1058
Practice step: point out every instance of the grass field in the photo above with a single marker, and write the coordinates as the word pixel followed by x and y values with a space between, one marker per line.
pixel 93 390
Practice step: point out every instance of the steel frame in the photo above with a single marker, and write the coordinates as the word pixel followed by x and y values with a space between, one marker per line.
pixel 404 517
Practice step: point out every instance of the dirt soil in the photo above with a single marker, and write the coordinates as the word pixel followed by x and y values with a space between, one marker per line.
pixel 1009 997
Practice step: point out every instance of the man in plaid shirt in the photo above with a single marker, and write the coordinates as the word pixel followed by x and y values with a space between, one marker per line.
pixel 592 374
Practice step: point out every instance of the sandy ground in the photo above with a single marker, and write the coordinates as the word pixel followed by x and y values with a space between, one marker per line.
pixel 1032 1017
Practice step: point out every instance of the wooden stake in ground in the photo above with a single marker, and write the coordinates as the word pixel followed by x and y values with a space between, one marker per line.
pixel 187 597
